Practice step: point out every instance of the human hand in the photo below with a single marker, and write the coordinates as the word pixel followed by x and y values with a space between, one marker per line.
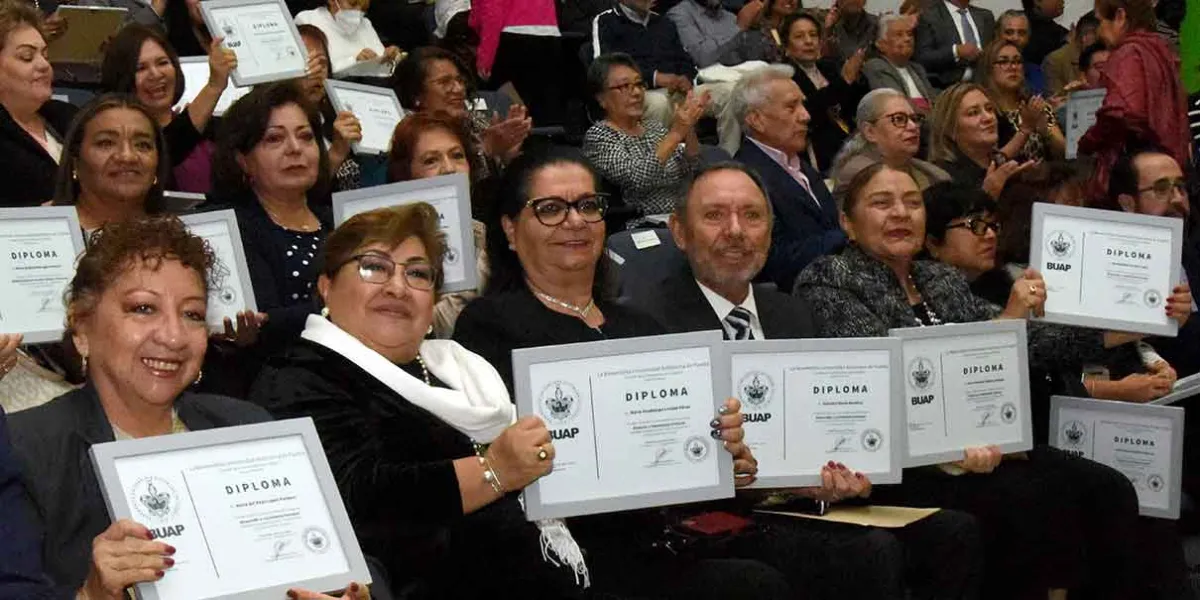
pixel 123 555
pixel 353 592
pixel 347 128
pixel 838 483
pixel 852 69
pixel 391 54
pixel 516 454
pixel 1142 387
pixel 366 54
pixel 503 138
pixel 674 83
pixel 1179 304
pixel 1033 114
pixel 315 70
pixel 998 175
pixel 983 459
pixel 1163 369
pixel 9 342
pixel 727 427
pixel 221 62
pixel 967 52
pixel 1028 295
pixel 689 112
pixel 244 333
pixel 831 17
pixel 55 26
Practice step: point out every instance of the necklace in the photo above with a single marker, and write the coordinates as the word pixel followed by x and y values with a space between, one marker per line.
pixel 424 371
pixel 581 311
pixel 934 320
pixel 278 221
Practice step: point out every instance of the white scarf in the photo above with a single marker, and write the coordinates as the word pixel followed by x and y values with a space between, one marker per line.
pixel 476 403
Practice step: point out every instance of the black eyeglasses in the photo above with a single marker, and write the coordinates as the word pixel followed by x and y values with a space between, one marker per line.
pixel 627 88
pixel 902 119
pixel 1163 186
pixel 1000 62
pixel 552 211
pixel 978 227
pixel 379 269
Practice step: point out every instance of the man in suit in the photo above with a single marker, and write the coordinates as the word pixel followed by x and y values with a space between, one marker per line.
pixel 770 107
pixel 950 35
pixel 894 69
pixel 21 552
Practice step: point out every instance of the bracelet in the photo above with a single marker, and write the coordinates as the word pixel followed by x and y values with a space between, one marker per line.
pixel 489 475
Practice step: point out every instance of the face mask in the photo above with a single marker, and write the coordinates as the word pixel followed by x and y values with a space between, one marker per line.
pixel 349 19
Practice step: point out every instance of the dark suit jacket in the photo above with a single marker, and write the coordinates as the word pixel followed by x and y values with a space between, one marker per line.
pixel 27 178
pixel 838 99
pixel 802 232
pixel 679 305
pixel 52 442
pixel 1183 351
pixel 937 35
pixel 21 573
pixel 882 74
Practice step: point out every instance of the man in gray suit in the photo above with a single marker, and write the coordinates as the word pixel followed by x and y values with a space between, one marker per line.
pixel 893 68
pixel 950 36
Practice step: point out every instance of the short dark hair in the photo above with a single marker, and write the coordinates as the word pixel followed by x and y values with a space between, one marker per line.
pixel 724 165
pixel 1087 21
pixel 785 26
pixel 243 127
pixel 1139 13
pixel 1087 54
pixel 854 188
pixel 118 71
pixel 409 131
pixel 949 200
pixel 408 80
pixel 1016 202
pixel 597 73
pixel 1124 176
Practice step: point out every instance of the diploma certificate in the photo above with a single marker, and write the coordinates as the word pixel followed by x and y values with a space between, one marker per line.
pixel 263 36
pixel 195 77
pixel 965 386
pixel 450 195
pixel 38 247
pixel 1142 441
pixel 1081 115
pixel 377 109
pixel 252 510
pixel 630 420
pixel 1107 269
pixel 231 290
pixel 808 402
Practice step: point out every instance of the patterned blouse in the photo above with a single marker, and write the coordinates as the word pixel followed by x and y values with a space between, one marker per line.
pixel 1036 144
pixel 631 163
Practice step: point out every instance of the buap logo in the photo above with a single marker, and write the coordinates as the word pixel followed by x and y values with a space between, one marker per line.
pixel 757 389
pixel 154 498
pixel 872 440
pixel 1074 433
pixel 921 373
pixel 1153 298
pixel 1008 413
pixel 451 256
pixel 316 540
pixel 560 401
pixel 1060 244
pixel 696 448
pixel 1155 483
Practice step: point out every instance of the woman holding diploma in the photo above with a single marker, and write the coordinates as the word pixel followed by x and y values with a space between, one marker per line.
pixel 136 310
pixel 339 130
pixel 1050 521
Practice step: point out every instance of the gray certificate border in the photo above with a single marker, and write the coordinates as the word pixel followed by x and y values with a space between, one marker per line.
pixel 462 188
pixel 1037 259
pixel 1174 414
pixel 206 8
pixel 897 445
pixel 184 60
pixel 1072 150
pixel 333 85
pixel 229 218
pixel 523 359
pixel 42 213
pixel 968 329
pixel 104 457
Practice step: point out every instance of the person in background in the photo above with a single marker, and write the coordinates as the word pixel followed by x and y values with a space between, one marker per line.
pixel 350 37
pixel 141 62
pixel 338 130
pixel 1029 129
pixel 950 36
pixel 831 90
pixel 705 29
pixel 1013 27
pixel 893 68
pixel 849 28
pixel 1061 66
pixel 519 43
pixel 1045 35
pixel 647 161
pixel 32 125
pixel 889 131
pixel 965 128
pixel 766 15
pixel 1145 103
pixel 21 574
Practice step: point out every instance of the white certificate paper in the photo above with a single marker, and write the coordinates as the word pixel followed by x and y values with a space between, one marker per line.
pixel 195 77
pixel 630 421
pixel 231 291
pixel 808 402
pixel 263 36
pixel 249 515
pixel 377 109
pixel 965 386
pixel 1107 269
pixel 38 247
pixel 1142 441
pixel 1081 115
pixel 450 195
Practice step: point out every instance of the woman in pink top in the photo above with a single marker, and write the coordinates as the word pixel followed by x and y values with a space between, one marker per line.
pixel 519 42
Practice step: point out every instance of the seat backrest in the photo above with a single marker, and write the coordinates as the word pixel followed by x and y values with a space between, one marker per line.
pixel 642 258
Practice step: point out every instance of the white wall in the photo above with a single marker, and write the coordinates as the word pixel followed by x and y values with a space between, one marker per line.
pixel 1073 9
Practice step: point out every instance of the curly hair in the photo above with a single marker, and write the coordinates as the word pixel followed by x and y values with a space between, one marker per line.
pixel 408 133
pixel 118 72
pixel 390 227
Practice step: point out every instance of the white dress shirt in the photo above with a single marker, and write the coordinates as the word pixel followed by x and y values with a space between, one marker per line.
pixel 910 84
pixel 722 307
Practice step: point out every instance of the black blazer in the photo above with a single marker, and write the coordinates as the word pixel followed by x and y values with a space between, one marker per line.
pixel 838 99
pixel 802 232
pixel 27 178
pixel 679 305
pixel 937 34
pixel 52 441
pixel 21 573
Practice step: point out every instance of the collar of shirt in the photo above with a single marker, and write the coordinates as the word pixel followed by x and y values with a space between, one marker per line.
pixel 721 306
pixel 791 164
pixel 633 16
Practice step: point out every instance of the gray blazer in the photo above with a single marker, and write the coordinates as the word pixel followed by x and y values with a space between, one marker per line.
pixel 937 35
pixel 883 74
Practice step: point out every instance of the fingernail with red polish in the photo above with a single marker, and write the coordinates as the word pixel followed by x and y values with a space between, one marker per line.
pixel 158 574
pixel 353 588
pixel 170 562
pixel 170 549
pixel 292 594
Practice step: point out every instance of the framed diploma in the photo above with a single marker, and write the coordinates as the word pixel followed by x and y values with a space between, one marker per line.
pixel 377 108
pixel 89 30
pixel 1142 441
pixel 808 402
pixel 251 510
pixel 263 36
pixel 1081 115
pixel 195 77
pixel 964 386
pixel 450 195
pixel 178 203
pixel 1107 269
pixel 630 422
pixel 231 290
pixel 1178 394
pixel 38 248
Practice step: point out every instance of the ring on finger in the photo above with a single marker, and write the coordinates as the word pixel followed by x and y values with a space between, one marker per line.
pixel 542 454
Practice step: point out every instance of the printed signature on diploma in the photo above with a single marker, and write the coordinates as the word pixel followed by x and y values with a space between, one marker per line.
pixel 659 455
pixel 277 550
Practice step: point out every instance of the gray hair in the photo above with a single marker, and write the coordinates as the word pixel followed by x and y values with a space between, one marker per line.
pixel 885 23
pixel 1011 14
pixel 870 108
pixel 750 92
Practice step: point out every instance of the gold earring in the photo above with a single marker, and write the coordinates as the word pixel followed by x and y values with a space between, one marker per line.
pixel 199 377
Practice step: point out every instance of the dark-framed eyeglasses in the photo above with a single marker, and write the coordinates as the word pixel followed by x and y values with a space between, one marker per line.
pixel 379 269
pixel 1163 186
pixel 628 88
pixel 552 211
pixel 901 119
pixel 1001 62
pixel 977 226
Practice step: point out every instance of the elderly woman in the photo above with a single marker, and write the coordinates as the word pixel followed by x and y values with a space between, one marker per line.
pixel 338 130
pixel 31 124
pixel 1046 516
pixel 136 310
pixel 352 37
pixel 1029 124
pixel 965 130
pixel 419 433
pixel 648 162
pixel 433 80
pixel 889 131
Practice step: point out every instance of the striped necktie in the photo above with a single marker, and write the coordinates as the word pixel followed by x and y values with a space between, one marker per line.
pixel 737 324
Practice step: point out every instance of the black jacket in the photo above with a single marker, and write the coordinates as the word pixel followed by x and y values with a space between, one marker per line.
pixel 826 106
pixel 52 441
pixel 654 47
pixel 21 574
pixel 27 178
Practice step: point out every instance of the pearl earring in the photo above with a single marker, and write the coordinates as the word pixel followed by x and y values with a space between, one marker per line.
pixel 325 312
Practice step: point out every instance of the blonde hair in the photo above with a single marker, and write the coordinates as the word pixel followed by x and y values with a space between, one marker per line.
pixel 943 121
pixel 14 14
